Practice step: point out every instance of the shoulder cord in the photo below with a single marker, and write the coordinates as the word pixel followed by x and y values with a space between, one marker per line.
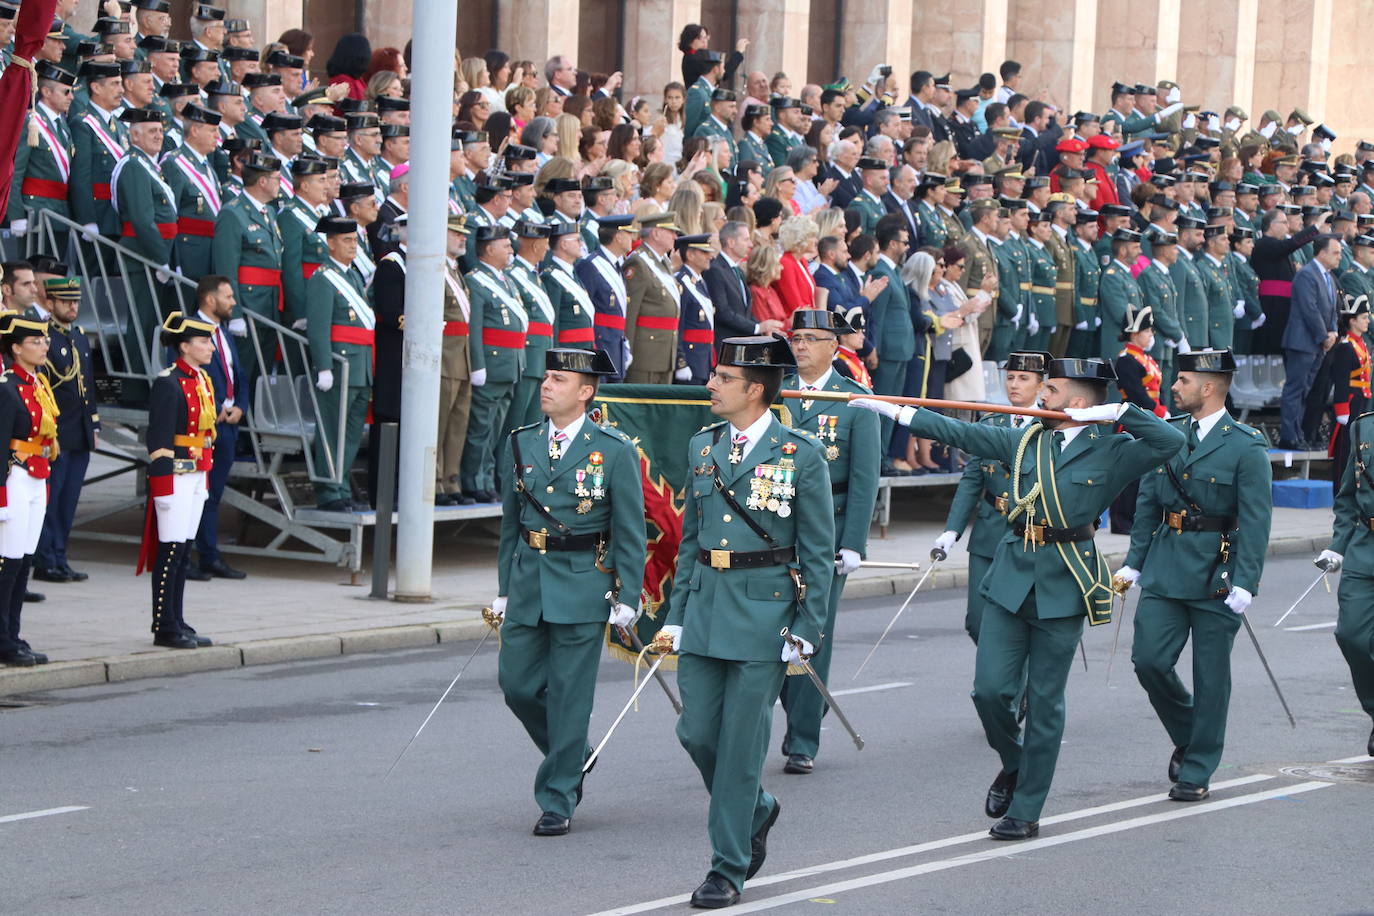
pixel 1025 503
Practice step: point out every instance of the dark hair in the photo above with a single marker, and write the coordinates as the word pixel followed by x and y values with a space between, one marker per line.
pixel 767 210
pixel 853 222
pixel 827 245
pixel 9 268
pixel 690 33
pixel 1009 68
pixel 987 81
pixel 1015 100
pixel 889 229
pixel 767 376
pixel 605 234
pixel 1094 393
pixel 297 41
pixel 952 254
pixel 830 95
pixel 585 141
pixel 994 111
pixel 497 125
pixel 1033 110
pixel 919 80
pixel 466 102
pixel 621 136
pixel 1268 218
pixel 208 286
pixel 495 61
pixel 1323 241
pixel 351 56
pixel 861 247
pixel 813 140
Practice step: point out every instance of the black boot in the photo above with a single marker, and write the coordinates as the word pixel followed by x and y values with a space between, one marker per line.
pixel 166 573
pixel 179 596
pixel 11 652
pixel 21 587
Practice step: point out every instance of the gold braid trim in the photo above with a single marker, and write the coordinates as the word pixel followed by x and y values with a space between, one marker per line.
pixel 1088 581
pixel 1025 503
pixel 42 393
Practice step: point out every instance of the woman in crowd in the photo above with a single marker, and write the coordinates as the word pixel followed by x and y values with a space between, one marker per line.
pixel 580 107
pixel 499 76
pixel 474 108
pixel 795 287
pixel 591 149
pixel 541 134
pixel 657 184
pixel 809 196
pixel 385 83
pixel 674 117
pixel 300 43
pixel 967 385
pixel 519 101
pixel 686 203
pixel 624 143
pixel 569 136
pixel 782 185
pixel 348 64
pixel 387 59
pixel 762 270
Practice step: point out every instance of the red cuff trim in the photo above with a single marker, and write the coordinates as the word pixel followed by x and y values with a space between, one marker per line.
pixel 160 485
pixel 1342 409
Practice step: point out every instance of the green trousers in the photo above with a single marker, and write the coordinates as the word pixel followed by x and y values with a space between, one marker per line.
pixel 548 675
pixel 800 698
pixel 1013 646
pixel 1194 720
pixel 1168 372
pixel 1005 338
pixel 1355 632
pixel 353 403
pixel 727 714
pixel 490 404
pixel 888 378
pixel 973 617
pixel 1082 344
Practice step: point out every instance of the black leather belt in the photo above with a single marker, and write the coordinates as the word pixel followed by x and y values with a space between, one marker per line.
pixel 997 502
pixel 746 559
pixel 542 540
pixel 838 489
pixel 1044 534
pixel 1182 521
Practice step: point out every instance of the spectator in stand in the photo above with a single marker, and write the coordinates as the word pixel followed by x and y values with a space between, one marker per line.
pixel 624 143
pixel 387 59
pixel 782 185
pixel 674 118
pixel 808 197
pixel 795 287
pixel 762 271
pixel 657 184
pixel 541 135
pixel 519 101
pixel 501 77
pixel 385 84
pixel 300 43
pixel 348 64
pixel 569 136
pixel 474 108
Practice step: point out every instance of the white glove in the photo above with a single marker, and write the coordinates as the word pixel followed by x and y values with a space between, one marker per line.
pixel 498 607
pixel 875 75
pixel 629 358
pixel 1167 111
pixel 1016 319
pixel 1127 574
pixel 622 615
pixel 1327 559
pixel 945 542
pixel 238 327
pixel 1097 322
pixel 1239 599
pixel 1171 344
pixel 325 380
pixel 1267 130
pixel 1033 326
pixel 1173 96
pixel 163 274
pixel 673 631
pixel 1343 419
pixel 1183 346
pixel 1190 122
pixel 1326 146
pixel 19 227
pixel 1081 326
pixel 1258 322
pixel 1297 129
pixel 899 412
pixel 479 378
pixel 1233 125
pixel 683 375
pixel 1239 310
pixel 847 562
pixel 793 654
pixel 90 232
pixel 299 324
pixel 1098 413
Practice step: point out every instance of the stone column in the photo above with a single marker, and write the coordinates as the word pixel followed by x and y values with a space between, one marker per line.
pixel 651 55
pixel 1137 42
pixel 1054 43
pixel 1349 113
pixel 538 29
pixel 1216 53
pixel 777 31
pixel 879 32
pixel 965 45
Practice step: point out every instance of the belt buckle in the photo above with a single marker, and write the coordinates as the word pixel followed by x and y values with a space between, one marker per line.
pixel 1000 504
pixel 1371 524
pixel 46 451
pixel 539 540
pixel 1037 535
pixel 720 559
pixel 1175 520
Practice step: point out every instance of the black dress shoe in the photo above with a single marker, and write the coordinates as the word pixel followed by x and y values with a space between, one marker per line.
pixel 201 641
pixel 175 641
pixel 73 574
pixel 1186 791
pixel 462 499
pixel 444 499
pixel 1287 446
pixel 222 570
pixel 758 844
pixel 714 893
pixel 197 574
pixel 486 496
pixel 1176 761
pixel 551 824
pixel 52 574
pixel 38 657
pixel 799 764
pixel 18 658
pixel 1000 794
pixel 34 597
pixel 1010 828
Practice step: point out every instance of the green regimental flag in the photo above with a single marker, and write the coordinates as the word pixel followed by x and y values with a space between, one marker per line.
pixel 661 421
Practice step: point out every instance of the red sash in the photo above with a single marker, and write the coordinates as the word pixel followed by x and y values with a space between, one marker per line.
pixel 509 340
pixel 455 329
pixel 166 230
pixel 205 228
pixel 101 191
pixel 1276 288
pixel 540 329
pixel 41 187
pixel 699 336
pixel 606 320
pixel 576 335
pixel 656 323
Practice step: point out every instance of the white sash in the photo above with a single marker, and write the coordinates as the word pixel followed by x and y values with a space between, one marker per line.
pixel 566 280
pixel 115 148
pixel 509 301
pixel 363 263
pixel 608 271
pixel 361 309
pixel 157 178
pixel 664 279
pixel 523 278
pixel 702 299
pixel 208 189
pixel 455 287
pixel 305 217
pixel 59 152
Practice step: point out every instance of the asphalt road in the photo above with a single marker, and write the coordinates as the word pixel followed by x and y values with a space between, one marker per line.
pixel 260 790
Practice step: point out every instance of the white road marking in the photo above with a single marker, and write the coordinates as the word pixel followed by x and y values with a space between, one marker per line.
pixel 46 812
pixel 1006 850
pixel 929 846
pixel 876 687
pixel 1311 626
pixel 1360 758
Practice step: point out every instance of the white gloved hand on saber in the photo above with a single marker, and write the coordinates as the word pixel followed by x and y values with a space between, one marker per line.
pixel 795 650
pixel 847 562
pixel 622 615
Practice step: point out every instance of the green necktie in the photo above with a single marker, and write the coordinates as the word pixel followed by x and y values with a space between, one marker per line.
pixel 1193 439
pixel 1058 441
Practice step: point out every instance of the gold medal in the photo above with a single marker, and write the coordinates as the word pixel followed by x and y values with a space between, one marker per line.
pixel 832 452
pixel 584 506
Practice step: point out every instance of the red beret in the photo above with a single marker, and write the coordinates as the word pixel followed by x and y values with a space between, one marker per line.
pixel 1071 145
pixel 1103 141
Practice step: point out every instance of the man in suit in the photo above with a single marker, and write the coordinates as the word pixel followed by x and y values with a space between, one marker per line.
pixel 846 289
pixel 898 199
pixel 890 318
pixel 1311 332
pixel 600 275
pixel 730 291
pixel 1047 574
pixel 215 303
pixel 1197 552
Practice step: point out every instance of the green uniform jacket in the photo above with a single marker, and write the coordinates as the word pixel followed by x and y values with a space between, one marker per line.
pixel 1245 283
pixel 1009 295
pixel 1116 290
pixel 979 263
pixel 251 126
pixel 193 252
pixel 870 210
pixel 852 448
pixel 541 311
pixel 466 188
pixel 1043 277
pixel 496 306
pixel 753 148
pixel 738 614
pixel 1227 475
pixel 954 230
pixel 301 247
pixel 572 587
pixel 1357 282
pixel 780 142
pixel 1087 274
pixel 92 164
pixel 247 237
pixel 1157 290
pixel 1351 534
pixel 983 478
pixel 1192 300
pixel 571 304
pixel 145 201
pixel 712 130
pixel 1020 252
pixel 890 315
pixel 933 231
pixel 327 306
pixel 1087 475
pixel 698 106
pixel 653 349
pixel 40 162
pixel 1221 302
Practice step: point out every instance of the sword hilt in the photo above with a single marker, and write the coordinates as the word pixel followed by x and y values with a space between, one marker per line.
pixel 492 619
pixel 795 642
pixel 938 555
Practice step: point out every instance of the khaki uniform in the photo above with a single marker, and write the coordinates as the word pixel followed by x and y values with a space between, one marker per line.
pixel 651 318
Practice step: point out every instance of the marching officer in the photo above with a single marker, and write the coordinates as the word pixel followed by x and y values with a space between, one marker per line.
pixel 533 244
pixel 190 174
pixel 1047 573
pixel 696 332
pixel 571 560
pixel 653 302
pixel 28 421
pixel 70 376
pixel 339 322
pixel 1197 551
pixel 498 359
pixel 755 560
pixel 849 438
pixel 247 249
pixel 181 441
pixel 985 487
pixel 572 305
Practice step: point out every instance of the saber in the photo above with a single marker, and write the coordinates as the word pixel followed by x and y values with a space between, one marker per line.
pixel 1265 662
pixel 937 554
pixel 820 688
pixel 928 402
pixel 493 624
pixel 653 669
pixel 876 564
pixel 1315 582
pixel 638 643
pixel 1083 651
pixel 1116 639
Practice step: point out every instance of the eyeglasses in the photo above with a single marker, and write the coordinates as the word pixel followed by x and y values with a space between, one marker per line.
pixel 940 263
pixel 725 378
pixel 809 339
